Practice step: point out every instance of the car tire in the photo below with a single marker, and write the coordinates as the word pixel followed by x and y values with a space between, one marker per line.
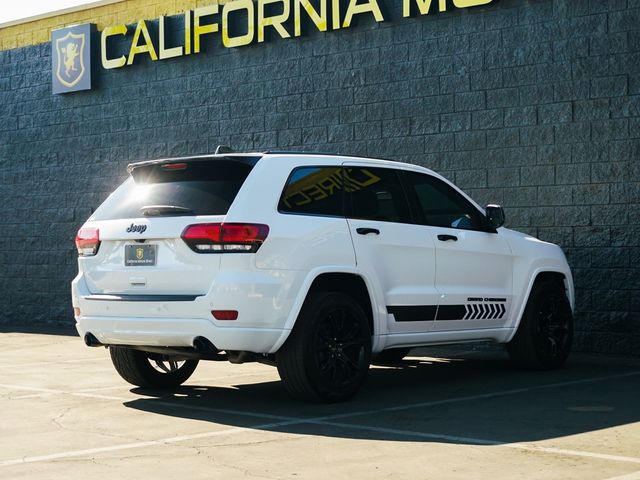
pixel 393 355
pixel 544 336
pixel 136 368
pixel 327 355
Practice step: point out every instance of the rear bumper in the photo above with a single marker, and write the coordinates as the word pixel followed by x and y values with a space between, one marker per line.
pixel 176 332
pixel 264 300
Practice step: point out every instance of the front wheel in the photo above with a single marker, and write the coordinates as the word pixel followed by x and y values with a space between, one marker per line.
pixel 543 340
pixel 327 355
pixel 150 370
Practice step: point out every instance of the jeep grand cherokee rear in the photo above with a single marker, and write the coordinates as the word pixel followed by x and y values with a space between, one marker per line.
pixel 310 262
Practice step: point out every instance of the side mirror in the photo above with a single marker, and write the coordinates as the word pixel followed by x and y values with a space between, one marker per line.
pixel 495 216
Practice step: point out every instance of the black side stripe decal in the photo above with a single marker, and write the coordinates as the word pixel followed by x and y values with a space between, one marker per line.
pixel 484 311
pixel 451 312
pixel 425 313
pixel 413 313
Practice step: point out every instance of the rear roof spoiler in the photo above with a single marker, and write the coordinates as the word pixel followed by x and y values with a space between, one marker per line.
pixel 247 159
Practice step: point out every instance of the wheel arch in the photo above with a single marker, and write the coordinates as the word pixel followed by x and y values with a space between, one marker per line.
pixel 349 281
pixel 551 276
pixel 539 275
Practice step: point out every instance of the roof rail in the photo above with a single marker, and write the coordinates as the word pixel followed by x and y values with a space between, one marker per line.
pixel 329 154
pixel 303 152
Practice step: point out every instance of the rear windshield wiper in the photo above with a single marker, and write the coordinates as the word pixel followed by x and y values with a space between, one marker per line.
pixel 160 210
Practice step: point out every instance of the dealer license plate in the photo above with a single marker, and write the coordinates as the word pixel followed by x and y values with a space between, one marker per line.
pixel 139 255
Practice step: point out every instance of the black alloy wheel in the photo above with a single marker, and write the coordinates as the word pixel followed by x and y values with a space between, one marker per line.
pixel 151 370
pixel 545 334
pixel 553 326
pixel 327 356
pixel 340 346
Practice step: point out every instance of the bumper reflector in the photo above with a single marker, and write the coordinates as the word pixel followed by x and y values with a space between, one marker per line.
pixel 225 314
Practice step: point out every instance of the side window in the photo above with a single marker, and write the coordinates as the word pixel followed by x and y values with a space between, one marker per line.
pixel 375 194
pixel 314 191
pixel 440 205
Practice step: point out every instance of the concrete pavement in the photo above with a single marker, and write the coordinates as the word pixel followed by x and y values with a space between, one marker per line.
pixel 65 413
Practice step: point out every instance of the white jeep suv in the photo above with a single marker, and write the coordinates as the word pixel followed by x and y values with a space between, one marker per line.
pixel 310 262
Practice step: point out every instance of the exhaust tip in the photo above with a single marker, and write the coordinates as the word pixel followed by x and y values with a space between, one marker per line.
pixel 91 341
pixel 202 344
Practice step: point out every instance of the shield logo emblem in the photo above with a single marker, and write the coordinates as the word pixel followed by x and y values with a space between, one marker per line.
pixel 139 253
pixel 70 52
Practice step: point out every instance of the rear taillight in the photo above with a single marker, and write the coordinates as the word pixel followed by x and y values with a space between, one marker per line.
pixel 225 237
pixel 88 241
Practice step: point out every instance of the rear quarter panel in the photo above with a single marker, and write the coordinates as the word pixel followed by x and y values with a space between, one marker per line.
pixel 295 242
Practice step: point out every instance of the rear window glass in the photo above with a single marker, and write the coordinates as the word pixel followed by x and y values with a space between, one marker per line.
pixel 313 191
pixel 202 188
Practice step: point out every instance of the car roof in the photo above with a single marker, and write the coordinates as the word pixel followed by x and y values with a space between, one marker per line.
pixel 308 157
pixel 305 159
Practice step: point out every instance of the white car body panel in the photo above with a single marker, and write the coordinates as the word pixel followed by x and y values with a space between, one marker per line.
pixel 477 265
pixel 404 265
pixel 402 260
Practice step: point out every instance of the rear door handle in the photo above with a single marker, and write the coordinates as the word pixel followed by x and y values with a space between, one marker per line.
pixel 366 231
pixel 445 237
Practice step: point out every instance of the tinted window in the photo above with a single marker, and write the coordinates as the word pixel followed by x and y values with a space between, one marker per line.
pixel 314 191
pixel 375 194
pixel 204 188
pixel 440 205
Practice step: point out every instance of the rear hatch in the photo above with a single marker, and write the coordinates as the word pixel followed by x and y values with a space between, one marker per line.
pixel 138 228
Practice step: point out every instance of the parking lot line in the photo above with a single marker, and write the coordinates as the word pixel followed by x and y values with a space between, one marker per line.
pixel 203 381
pixel 39 364
pixel 32 389
pixel 47 393
pixel 432 403
pixel 482 441
pixel 149 443
pixel 287 421
pixel 33 395
pixel 82 393
pixel 101 389
pixel 326 420
pixel 480 396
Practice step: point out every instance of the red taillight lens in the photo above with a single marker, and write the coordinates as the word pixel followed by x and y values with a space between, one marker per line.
pixel 225 237
pixel 88 241
pixel 205 232
pixel 241 233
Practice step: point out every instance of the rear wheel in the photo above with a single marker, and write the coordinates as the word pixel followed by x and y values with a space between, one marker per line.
pixel 327 355
pixel 543 340
pixel 151 370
